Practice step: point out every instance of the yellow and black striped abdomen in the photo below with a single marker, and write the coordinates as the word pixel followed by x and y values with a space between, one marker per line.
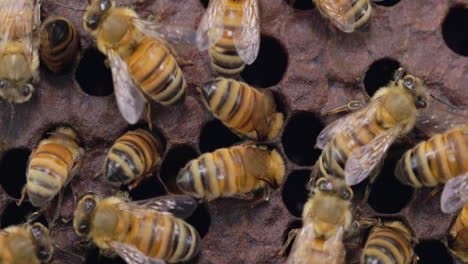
pixel 224 57
pixel 155 70
pixel 132 156
pixel 347 15
pixel 435 161
pixel 50 166
pixel 162 236
pixel 59 44
pixel 388 245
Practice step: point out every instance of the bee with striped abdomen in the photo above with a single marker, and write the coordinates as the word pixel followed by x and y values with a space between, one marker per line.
pixel 458 236
pixel 230 29
pixel 326 217
pixel 140 58
pixel 238 171
pixel 59 44
pixel 132 157
pixel 19 60
pixel 147 231
pixel 437 160
pixel 354 146
pixel 346 15
pixel 25 244
pixel 52 165
pixel 389 243
pixel 249 112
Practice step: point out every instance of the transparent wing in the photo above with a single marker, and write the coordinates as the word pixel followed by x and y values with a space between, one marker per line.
pixel 174 34
pixel 263 107
pixel 178 205
pixel 455 194
pixel 129 98
pixel 132 255
pixel 350 120
pixel 362 161
pixel 211 26
pixel 17 20
pixel 256 162
pixel 247 38
pixel 336 11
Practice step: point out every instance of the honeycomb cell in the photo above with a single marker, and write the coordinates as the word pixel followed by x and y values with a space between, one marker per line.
pixel 200 220
pixel 147 188
pixel 294 192
pixel 455 31
pixel 379 74
pixel 386 2
pixel 300 4
pixel 205 3
pixel 13 168
pixel 93 76
pixel 16 215
pixel 175 160
pixel 215 135
pixel 432 252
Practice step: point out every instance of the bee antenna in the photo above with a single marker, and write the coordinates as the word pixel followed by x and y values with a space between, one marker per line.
pixel 445 103
pixel 69 7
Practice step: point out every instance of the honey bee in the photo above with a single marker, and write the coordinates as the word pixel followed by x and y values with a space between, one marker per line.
pixel 355 145
pixel 326 217
pixel 230 29
pixel 19 60
pixel 238 171
pixel 458 236
pixel 132 157
pixel 59 43
pixel 389 243
pixel 346 15
pixel 52 164
pixel 139 56
pixel 25 244
pixel 437 160
pixel 248 111
pixel 455 194
pixel 147 231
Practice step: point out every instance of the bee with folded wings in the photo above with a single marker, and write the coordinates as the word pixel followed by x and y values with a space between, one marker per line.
pixel 326 217
pixel 230 30
pixel 140 58
pixel 19 60
pixel 147 231
pixel 354 146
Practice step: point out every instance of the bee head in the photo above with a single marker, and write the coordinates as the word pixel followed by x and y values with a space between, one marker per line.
pixel 83 214
pixel 16 92
pixel 42 242
pixel 94 13
pixel 414 85
pixel 334 187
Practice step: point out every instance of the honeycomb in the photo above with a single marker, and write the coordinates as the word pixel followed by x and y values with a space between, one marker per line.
pixel 310 68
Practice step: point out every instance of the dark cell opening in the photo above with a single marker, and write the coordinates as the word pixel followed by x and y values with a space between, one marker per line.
pixel 13 168
pixel 147 188
pixel 379 74
pixel 299 138
pixel 455 31
pixel 294 225
pixel 295 193
pixel 270 65
pixel 432 252
pixel 205 3
pixel 94 77
pixel 386 2
pixel 175 160
pixel 94 257
pixel 300 4
pixel 382 196
pixel 200 220
pixel 216 135
pixel 16 215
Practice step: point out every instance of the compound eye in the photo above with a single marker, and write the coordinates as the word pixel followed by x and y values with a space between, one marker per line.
pixel 84 228
pixel 345 194
pixel 3 84
pixel 43 254
pixel 25 90
pixel 105 4
pixel 89 205
pixel 93 21
pixel 421 102
pixel 325 185
pixel 409 83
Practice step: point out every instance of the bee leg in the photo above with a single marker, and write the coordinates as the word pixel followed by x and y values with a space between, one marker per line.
pixel 57 209
pixel 291 236
pixel 262 196
pixel 434 192
pixel 149 116
pixel 314 175
pixel 349 107
pixel 23 196
pixel 136 182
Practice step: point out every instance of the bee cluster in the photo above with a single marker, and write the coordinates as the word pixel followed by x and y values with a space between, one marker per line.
pixel 303 71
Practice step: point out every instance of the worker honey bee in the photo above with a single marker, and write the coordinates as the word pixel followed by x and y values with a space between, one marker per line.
pixel 389 243
pixel 230 29
pixel 132 157
pixel 455 194
pixel 59 43
pixel 326 217
pixel 246 110
pixel 147 231
pixel 51 165
pixel 355 145
pixel 437 160
pixel 139 56
pixel 241 171
pixel 458 236
pixel 346 15
pixel 19 60
pixel 25 244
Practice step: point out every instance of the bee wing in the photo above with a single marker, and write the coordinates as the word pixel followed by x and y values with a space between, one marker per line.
pixel 247 37
pixel 13 23
pixel 181 206
pixel 211 26
pixel 455 194
pixel 174 34
pixel 362 161
pixel 262 108
pixel 300 254
pixel 129 98
pixel 336 12
pixel 132 255
pixel 256 162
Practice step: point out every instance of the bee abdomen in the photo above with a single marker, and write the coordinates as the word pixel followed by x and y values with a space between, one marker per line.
pixel 59 44
pixel 156 71
pixel 387 246
pixel 361 11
